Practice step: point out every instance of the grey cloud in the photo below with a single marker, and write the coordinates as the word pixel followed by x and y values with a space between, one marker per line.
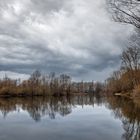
pixel 45 6
pixel 75 37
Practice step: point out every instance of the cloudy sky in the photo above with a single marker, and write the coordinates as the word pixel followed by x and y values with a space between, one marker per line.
pixel 76 37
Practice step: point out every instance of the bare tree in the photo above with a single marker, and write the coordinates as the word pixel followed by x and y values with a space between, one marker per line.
pixel 131 62
pixel 35 81
pixel 131 58
pixel 65 82
pixel 125 11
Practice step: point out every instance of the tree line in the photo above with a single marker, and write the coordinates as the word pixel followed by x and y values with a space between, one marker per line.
pixel 127 78
pixel 47 84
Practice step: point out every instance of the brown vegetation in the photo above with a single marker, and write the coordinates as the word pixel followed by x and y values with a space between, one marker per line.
pixel 42 85
pixel 127 79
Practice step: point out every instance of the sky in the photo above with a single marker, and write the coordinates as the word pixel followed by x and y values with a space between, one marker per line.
pixel 74 37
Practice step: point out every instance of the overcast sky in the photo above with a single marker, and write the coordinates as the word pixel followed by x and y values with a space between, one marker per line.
pixel 76 37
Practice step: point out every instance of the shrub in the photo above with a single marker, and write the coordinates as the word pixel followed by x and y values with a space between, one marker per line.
pixel 136 92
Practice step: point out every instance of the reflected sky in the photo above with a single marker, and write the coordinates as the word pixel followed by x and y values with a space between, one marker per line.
pixel 71 119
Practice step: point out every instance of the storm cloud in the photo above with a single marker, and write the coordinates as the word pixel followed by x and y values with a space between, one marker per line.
pixel 76 37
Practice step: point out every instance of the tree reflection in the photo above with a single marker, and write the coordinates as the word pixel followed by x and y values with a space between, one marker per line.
pixel 37 107
pixel 129 113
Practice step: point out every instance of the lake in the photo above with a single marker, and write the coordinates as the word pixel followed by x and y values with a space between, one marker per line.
pixel 69 118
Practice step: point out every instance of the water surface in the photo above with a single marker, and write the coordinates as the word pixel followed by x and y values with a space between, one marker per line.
pixel 67 118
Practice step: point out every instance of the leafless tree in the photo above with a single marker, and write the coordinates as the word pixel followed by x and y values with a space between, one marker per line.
pixel 131 62
pixel 131 58
pixel 65 82
pixel 125 11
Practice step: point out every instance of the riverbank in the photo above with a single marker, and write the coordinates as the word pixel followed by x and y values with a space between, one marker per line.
pixel 126 95
pixel 130 96
pixel 42 95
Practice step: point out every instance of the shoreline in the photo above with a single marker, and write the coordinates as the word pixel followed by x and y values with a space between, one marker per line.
pixel 41 95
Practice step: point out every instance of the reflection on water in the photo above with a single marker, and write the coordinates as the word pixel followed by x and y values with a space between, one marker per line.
pixel 129 114
pixel 38 107
pixel 92 117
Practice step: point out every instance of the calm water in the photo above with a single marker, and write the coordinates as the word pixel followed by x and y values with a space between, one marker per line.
pixel 71 118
